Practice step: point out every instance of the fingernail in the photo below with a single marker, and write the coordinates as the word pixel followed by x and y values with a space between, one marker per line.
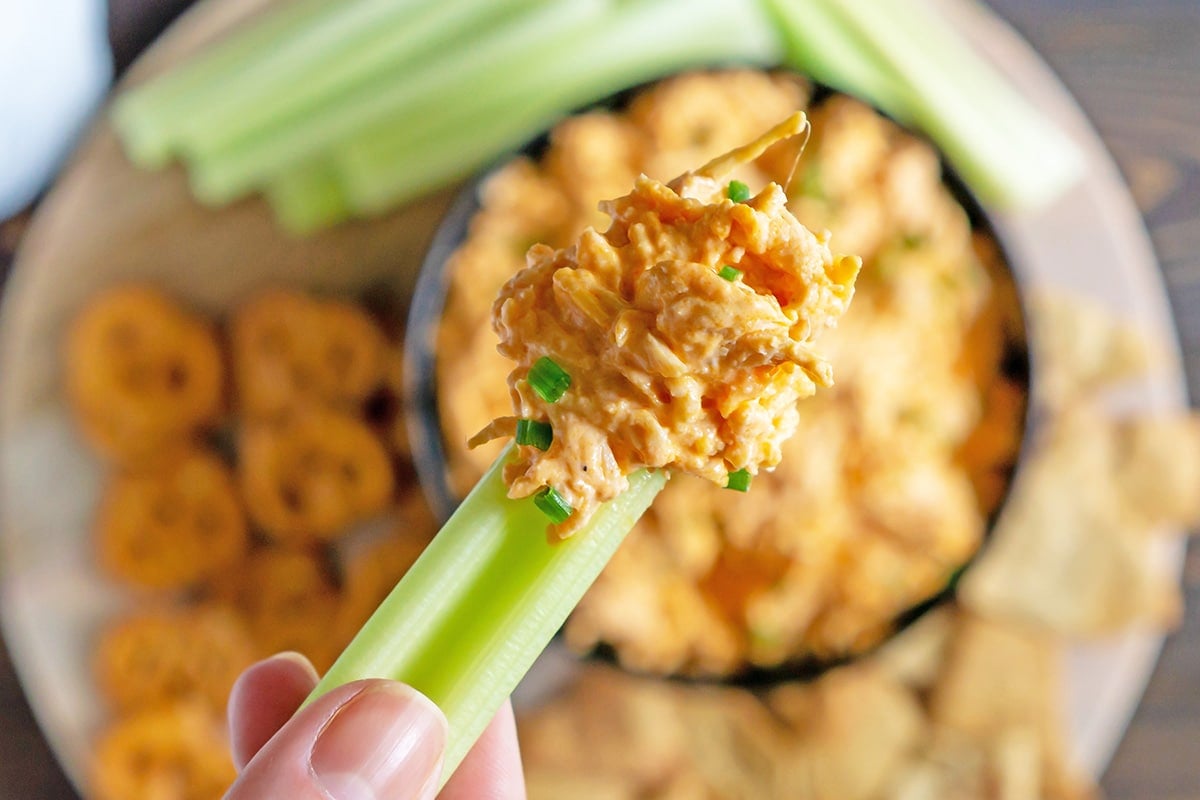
pixel 386 741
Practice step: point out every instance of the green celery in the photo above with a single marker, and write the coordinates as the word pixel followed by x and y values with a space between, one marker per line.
pixel 411 103
pixel 1005 149
pixel 640 40
pixel 401 45
pixel 468 619
pixel 145 117
pixel 307 198
pixel 820 45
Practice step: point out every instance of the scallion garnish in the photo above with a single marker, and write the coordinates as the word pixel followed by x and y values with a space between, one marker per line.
pixel 738 192
pixel 548 379
pixel 534 433
pixel 729 273
pixel 553 505
pixel 739 481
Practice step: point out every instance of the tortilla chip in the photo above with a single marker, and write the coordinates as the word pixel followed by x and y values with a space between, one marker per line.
pixel 1158 469
pixel 997 677
pixel 733 742
pixel 851 730
pixel 607 723
pixel 915 655
pixel 1063 555
pixel 1080 348
pixel 554 784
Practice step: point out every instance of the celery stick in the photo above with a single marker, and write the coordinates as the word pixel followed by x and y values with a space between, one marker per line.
pixel 144 115
pixel 819 45
pixel 468 620
pixel 412 101
pixel 495 112
pixel 307 198
pixel 390 55
pixel 1007 152
pixel 306 38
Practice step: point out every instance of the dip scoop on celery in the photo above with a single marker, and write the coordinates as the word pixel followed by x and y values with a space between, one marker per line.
pixel 680 339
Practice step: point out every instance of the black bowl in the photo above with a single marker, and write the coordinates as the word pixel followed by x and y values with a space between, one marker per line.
pixel 421 391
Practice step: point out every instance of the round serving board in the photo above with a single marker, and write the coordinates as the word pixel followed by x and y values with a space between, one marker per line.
pixel 106 222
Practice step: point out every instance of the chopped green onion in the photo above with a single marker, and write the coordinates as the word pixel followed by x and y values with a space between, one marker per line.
pixel 553 505
pixel 548 379
pixel 482 602
pixel 729 273
pixel 739 481
pixel 534 433
pixel 738 192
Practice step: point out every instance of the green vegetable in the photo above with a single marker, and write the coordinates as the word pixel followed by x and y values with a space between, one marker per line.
pixel 729 273
pixel 386 99
pixel 483 600
pixel 635 41
pixel 535 433
pixel 906 59
pixel 448 81
pixel 548 379
pixel 308 198
pixel 739 481
pixel 147 117
pixel 553 505
pixel 738 192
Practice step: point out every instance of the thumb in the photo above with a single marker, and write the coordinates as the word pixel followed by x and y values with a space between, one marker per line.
pixel 367 740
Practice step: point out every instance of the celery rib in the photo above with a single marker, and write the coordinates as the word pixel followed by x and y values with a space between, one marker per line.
pixel 431 92
pixel 308 198
pixel 398 49
pixel 147 116
pixel 910 63
pixel 472 614
pixel 647 39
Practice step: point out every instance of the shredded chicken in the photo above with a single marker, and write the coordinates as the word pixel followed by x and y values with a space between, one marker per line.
pixel 674 361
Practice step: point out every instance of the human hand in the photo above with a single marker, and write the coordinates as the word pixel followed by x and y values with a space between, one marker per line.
pixel 367 740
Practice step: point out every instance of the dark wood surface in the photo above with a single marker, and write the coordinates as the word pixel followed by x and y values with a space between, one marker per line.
pixel 1136 72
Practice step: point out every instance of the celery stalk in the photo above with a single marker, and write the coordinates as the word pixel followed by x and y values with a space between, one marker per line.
pixel 468 619
pixel 402 45
pixel 644 39
pixel 307 198
pixel 820 45
pixel 422 96
pixel 145 116
pixel 1005 149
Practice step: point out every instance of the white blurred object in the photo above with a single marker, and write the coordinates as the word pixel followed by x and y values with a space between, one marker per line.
pixel 55 66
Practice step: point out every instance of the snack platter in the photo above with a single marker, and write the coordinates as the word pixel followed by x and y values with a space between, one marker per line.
pixel 1089 244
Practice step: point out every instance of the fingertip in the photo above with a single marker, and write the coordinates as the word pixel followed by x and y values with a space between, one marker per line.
pixel 492 769
pixel 263 698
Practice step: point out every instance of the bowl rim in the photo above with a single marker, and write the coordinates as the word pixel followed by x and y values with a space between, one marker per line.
pixel 420 381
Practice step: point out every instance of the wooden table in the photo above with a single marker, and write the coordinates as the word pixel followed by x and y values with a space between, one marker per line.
pixel 1136 71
